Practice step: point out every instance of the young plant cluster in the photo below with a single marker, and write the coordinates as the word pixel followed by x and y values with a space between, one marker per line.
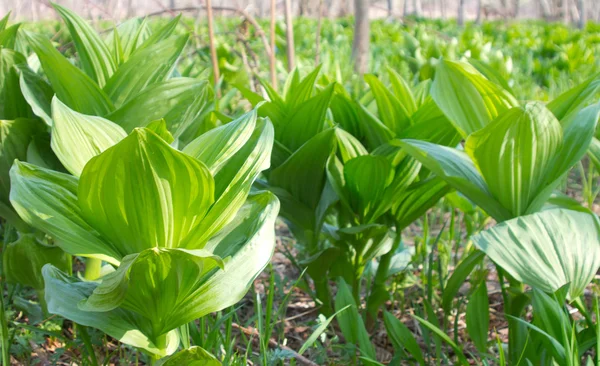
pixel 132 203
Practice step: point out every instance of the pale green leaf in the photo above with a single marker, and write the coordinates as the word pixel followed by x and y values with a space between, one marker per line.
pixel 76 137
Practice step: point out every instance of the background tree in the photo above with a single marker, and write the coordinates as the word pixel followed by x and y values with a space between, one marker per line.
pixel 360 43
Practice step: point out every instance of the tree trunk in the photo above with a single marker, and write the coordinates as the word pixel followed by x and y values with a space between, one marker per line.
pixel 360 43
pixel 417 9
pixel 516 8
pixel 565 11
pixel 405 8
pixel 390 8
pixel 582 14
pixel 289 35
pixel 172 4
pixel 461 13
pixel 545 7
pixel 479 6
pixel 443 8
pixel 213 50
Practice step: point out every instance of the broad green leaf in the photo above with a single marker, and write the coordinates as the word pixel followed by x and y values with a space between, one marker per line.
pixel 172 100
pixel 303 174
pixel 302 90
pixel 348 146
pixel 146 67
pixel 578 132
pixel 64 293
pixel 70 84
pixel 546 250
pixel 431 125
pixel 391 111
pixel 193 356
pixel 402 91
pixel 443 336
pixel 351 324
pixel 15 137
pixel 376 133
pixel 8 37
pixel 478 317
pixel 159 127
pixel 23 261
pixel 47 200
pixel 458 277
pixel 37 92
pixel 401 337
pixel 12 103
pixel 551 343
pixel 345 114
pixel 491 73
pixel 514 154
pixel 216 146
pixel 161 34
pixel 233 183
pixel 88 136
pixel 141 193
pixel 467 98
pixel 95 58
pixel 305 121
pixel 574 99
pixel 39 152
pixel 4 21
pixel 130 35
pixel 594 152
pixel 458 171
pixel 366 179
pixel 419 197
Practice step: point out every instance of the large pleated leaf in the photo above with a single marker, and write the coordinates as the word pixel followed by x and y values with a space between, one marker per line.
pixel 574 99
pixel 216 146
pixel 8 37
pixel 76 137
pixel 402 91
pixel 376 133
pixel 130 35
pixel 546 250
pixel 47 200
pixel 64 293
pixel 458 171
pixel 303 174
pixel 71 85
pixel 161 34
pixel 15 137
pixel 467 98
pixel 305 121
pixel 233 183
pixel 12 103
pixel 366 179
pixel 417 199
pixel 23 261
pixel 141 193
pixel 4 21
pixel 431 125
pixel 146 67
pixel 172 100
pixel 195 356
pixel 95 58
pixel 391 111
pixel 37 92
pixel 515 152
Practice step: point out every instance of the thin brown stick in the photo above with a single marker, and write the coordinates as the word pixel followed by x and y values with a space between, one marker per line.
pixel 239 11
pixel 289 34
pixel 272 58
pixel 213 50
pixel 253 332
pixel 318 40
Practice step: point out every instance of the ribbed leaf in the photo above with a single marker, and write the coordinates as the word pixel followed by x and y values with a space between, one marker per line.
pixel 8 37
pixel 172 100
pixel 574 99
pixel 141 193
pixel 64 293
pixel 146 67
pixel 467 98
pixel 23 261
pixel 303 174
pixel 15 137
pixel 546 250
pixel 95 58
pixel 216 146
pixel 392 112
pixel 70 84
pixel 47 200
pixel 233 183
pixel 458 171
pixel 12 103
pixel 37 92
pixel 194 355
pixel 515 153
pixel 305 121
pixel 402 91
pixel 88 136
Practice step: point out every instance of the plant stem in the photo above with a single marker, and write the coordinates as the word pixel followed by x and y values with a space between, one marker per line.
pixel 93 266
pixel 85 337
pixel 4 331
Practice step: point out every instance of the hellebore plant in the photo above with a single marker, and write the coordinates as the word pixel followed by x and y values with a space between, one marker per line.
pixel 181 228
